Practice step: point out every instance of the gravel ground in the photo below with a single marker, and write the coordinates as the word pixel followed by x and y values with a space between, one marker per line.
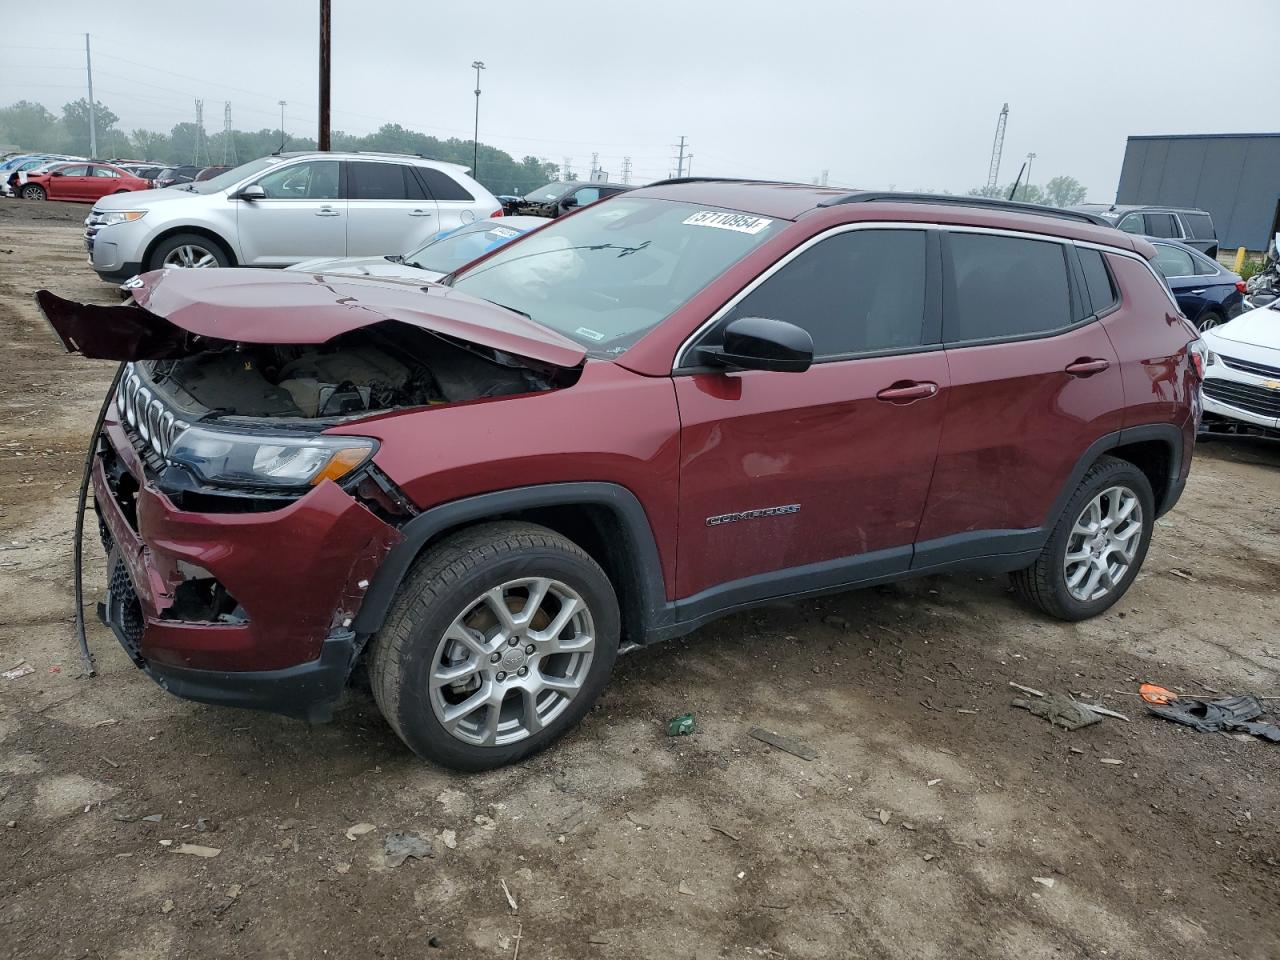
pixel 918 832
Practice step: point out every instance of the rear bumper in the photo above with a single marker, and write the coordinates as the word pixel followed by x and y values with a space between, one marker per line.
pixel 295 575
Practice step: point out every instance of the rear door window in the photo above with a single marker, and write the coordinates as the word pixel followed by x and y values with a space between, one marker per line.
pixel 375 181
pixel 1172 262
pixel 1006 287
pixel 1162 225
pixel 856 292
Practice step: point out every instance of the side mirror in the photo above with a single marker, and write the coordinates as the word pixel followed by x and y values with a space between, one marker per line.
pixel 252 192
pixel 758 343
pixel 568 203
pixel 56 173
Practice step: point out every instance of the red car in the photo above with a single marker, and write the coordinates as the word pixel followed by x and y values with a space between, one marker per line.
pixel 670 405
pixel 83 182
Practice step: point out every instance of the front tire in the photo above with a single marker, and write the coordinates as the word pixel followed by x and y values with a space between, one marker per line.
pixel 1209 319
pixel 1097 547
pixel 501 639
pixel 188 250
pixel 33 191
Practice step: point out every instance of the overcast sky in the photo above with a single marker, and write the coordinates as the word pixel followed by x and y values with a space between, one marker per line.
pixel 898 94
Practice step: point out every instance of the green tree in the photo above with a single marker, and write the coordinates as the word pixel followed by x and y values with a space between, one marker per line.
pixel 75 121
pixel 29 125
pixel 1065 192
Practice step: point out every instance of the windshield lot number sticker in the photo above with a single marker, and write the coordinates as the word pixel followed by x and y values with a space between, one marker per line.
pixel 738 222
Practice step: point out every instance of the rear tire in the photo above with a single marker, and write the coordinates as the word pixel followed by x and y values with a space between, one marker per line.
pixel 471 685
pixel 33 191
pixel 1103 562
pixel 189 250
pixel 1210 319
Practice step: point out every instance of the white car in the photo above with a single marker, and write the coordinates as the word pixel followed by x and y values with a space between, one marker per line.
pixel 443 253
pixel 1241 389
pixel 280 210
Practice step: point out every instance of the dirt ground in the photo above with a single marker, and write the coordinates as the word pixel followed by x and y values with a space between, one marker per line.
pixel 620 842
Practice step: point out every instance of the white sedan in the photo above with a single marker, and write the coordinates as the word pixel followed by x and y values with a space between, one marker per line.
pixel 1242 380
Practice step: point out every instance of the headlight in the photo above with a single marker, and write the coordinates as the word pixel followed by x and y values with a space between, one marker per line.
pixel 121 216
pixel 244 459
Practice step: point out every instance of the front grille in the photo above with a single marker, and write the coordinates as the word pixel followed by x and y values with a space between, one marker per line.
pixel 145 415
pixel 1247 366
pixel 1244 396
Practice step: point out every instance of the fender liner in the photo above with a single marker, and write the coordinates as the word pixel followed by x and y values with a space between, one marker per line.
pixel 426 525
pixel 1166 433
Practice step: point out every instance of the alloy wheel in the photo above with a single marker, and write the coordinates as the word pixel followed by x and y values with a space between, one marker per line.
pixel 1103 544
pixel 190 255
pixel 1209 322
pixel 512 661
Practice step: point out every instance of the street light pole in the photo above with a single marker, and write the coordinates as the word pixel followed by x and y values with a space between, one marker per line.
pixel 282 105
pixel 1030 157
pixel 476 65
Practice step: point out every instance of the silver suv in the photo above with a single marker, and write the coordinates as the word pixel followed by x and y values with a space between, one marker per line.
pixel 281 209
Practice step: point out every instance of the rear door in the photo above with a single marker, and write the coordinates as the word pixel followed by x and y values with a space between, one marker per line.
pixel 301 216
pixel 1034 382
pixel 794 481
pixel 388 211
pixel 455 202
pixel 102 181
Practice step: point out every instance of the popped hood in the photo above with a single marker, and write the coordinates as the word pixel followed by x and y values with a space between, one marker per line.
pixel 173 309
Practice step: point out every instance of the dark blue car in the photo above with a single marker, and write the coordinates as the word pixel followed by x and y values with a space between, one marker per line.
pixel 1208 293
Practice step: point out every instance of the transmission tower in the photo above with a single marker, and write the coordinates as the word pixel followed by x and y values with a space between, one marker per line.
pixel 997 147
pixel 566 171
pixel 195 159
pixel 228 144
pixel 681 158
pixel 626 169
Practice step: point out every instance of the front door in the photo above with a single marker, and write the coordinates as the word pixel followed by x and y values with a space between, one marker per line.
pixel 793 481
pixel 301 216
pixel 69 184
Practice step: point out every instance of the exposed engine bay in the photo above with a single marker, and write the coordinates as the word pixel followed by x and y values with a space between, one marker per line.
pixel 382 367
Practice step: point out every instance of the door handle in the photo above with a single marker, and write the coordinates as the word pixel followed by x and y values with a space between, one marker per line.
pixel 907 392
pixel 1201 290
pixel 420 213
pixel 328 212
pixel 1086 367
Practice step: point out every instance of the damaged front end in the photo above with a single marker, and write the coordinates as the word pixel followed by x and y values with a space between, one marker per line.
pixel 240 534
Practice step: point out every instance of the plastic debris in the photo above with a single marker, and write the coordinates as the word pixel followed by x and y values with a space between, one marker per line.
pixel 1044 881
pixel 1226 714
pixel 360 829
pixel 680 726
pixel 399 847
pixel 21 670
pixel 196 850
pixel 511 901
pixel 1154 694
pixel 449 838
pixel 685 889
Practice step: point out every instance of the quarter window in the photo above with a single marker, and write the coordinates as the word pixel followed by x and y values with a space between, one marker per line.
pixel 1102 290
pixel 315 180
pixel 441 186
pixel 855 292
pixel 1006 287
pixel 1200 225
pixel 1162 225
pixel 1172 262
pixel 375 181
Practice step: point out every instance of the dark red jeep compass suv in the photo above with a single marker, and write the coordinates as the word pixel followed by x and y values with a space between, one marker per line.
pixel 667 406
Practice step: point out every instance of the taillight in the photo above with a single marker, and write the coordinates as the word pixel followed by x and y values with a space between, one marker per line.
pixel 496 213
pixel 1200 356
pixel 1241 286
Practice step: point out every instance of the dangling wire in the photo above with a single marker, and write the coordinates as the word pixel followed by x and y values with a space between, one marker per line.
pixel 86 657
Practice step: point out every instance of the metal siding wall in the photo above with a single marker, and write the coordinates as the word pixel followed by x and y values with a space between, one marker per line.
pixel 1236 179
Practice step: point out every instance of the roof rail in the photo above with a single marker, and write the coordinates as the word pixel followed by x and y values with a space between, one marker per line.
pixel 987 203
pixel 674 180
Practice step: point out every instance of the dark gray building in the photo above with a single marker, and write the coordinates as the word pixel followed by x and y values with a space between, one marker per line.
pixel 1234 176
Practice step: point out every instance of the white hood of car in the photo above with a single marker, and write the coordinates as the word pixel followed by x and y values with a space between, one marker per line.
pixel 366 267
pixel 144 198
pixel 1258 328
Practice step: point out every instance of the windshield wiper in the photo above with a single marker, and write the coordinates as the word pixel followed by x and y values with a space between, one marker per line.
pixel 527 316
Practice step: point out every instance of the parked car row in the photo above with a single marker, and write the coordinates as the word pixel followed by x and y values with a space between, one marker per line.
pixel 16 171
pixel 1193 227
pixel 557 198
pixel 75 181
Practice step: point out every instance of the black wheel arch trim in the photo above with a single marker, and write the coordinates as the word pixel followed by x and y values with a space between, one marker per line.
pixel 419 531
pixel 1167 433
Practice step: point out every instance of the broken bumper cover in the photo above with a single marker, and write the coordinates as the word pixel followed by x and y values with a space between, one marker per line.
pixel 297 575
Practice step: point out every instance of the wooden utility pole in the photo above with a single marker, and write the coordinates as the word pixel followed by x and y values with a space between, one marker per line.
pixel 322 141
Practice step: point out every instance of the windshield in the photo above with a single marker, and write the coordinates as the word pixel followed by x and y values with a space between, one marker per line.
pixel 233 176
pixel 604 277
pixel 446 252
pixel 549 192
